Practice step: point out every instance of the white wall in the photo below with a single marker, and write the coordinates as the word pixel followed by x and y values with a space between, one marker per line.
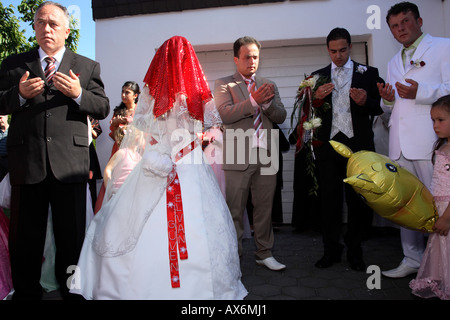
pixel 125 46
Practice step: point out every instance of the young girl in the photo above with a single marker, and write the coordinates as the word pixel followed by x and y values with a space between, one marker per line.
pixel 433 278
pixel 122 162
pixel 122 116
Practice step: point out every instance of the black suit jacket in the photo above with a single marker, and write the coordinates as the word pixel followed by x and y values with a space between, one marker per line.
pixel 50 130
pixel 362 116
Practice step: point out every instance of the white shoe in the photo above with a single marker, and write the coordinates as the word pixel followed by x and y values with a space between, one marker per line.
pixel 400 272
pixel 271 263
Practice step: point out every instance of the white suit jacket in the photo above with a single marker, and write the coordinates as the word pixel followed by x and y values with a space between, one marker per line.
pixel 410 126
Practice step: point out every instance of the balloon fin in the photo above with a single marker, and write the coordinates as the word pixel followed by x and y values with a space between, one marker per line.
pixel 364 182
pixel 341 148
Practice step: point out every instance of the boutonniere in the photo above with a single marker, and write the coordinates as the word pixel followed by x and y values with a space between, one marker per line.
pixel 417 63
pixel 361 69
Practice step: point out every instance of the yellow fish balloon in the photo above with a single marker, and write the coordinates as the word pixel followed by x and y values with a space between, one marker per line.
pixel 390 190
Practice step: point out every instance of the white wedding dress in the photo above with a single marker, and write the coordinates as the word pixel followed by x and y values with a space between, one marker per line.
pixel 126 251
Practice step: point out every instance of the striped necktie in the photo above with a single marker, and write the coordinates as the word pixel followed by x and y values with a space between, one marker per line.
pixel 257 121
pixel 49 69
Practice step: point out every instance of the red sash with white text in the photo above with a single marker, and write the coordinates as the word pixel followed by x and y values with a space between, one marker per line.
pixel 175 220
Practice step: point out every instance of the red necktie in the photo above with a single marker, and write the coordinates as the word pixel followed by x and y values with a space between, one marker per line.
pixel 49 69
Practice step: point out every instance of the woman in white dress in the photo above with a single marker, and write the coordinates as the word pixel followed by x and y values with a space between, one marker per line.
pixel 166 232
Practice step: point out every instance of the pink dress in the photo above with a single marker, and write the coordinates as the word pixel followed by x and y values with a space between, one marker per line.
pixel 125 164
pixel 433 278
pixel 5 266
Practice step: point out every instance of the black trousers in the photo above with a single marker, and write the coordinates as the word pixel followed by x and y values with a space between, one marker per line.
pixel 29 212
pixel 306 206
pixel 332 172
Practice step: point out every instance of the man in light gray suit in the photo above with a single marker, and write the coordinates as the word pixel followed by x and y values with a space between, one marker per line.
pixel 248 106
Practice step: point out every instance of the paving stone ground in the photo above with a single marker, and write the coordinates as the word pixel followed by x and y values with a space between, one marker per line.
pixel 301 280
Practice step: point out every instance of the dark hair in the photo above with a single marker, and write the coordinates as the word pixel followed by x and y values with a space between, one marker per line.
pixel 403 7
pixel 444 103
pixel 133 86
pixel 337 34
pixel 243 42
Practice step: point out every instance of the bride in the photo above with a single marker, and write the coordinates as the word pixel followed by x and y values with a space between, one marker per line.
pixel 164 231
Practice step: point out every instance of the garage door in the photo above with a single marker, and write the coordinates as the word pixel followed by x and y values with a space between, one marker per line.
pixel 286 66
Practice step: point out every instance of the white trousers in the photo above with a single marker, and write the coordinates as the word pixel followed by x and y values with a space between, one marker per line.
pixel 413 242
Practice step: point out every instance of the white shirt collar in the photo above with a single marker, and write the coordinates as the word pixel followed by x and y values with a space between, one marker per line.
pixel 58 56
pixel 246 79
pixel 348 64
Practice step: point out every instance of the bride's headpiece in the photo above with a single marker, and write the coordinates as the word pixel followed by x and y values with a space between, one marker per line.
pixel 175 69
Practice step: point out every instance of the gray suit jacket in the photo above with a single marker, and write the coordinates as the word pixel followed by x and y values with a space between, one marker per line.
pixel 236 110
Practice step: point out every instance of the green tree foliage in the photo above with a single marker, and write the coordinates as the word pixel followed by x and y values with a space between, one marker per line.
pixel 12 37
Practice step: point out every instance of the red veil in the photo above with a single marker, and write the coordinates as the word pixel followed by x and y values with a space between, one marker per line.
pixel 175 69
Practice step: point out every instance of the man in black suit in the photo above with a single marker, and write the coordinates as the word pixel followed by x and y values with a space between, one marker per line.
pixel 48 148
pixel 354 99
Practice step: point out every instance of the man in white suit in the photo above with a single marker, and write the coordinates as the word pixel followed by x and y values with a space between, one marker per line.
pixel 417 76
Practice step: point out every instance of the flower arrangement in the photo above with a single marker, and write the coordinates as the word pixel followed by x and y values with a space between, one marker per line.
pixel 418 63
pixel 307 116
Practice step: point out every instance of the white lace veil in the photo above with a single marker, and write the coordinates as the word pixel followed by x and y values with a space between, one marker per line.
pixel 157 142
pixel 211 116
